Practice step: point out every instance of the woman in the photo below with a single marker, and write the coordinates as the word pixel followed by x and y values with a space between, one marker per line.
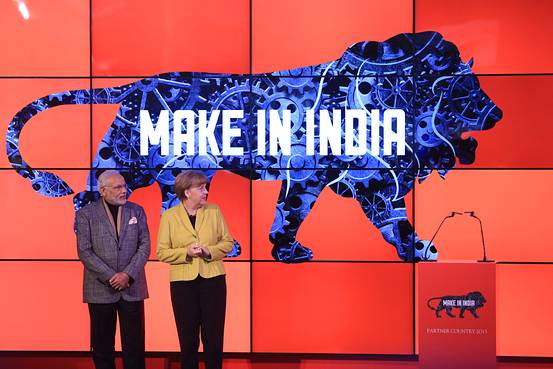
pixel 193 237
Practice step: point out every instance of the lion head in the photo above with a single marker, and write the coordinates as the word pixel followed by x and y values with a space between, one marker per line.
pixel 423 74
pixel 478 298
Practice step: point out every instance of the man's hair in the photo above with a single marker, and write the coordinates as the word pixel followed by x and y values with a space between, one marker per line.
pixel 103 178
pixel 187 179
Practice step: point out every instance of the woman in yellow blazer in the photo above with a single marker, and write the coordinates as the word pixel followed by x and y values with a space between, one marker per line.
pixel 193 238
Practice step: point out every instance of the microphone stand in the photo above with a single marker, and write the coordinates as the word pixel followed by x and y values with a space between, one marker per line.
pixel 473 215
pixel 453 213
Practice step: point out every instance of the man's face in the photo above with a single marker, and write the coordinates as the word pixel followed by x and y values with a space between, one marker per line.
pixel 115 190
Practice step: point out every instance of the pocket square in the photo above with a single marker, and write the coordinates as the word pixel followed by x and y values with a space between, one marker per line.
pixel 133 220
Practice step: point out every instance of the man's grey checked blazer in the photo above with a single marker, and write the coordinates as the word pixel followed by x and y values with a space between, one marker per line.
pixel 103 255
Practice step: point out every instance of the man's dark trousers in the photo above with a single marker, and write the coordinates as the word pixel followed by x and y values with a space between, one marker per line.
pixel 103 319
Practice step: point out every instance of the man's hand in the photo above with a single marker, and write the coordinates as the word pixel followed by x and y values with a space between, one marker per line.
pixel 119 281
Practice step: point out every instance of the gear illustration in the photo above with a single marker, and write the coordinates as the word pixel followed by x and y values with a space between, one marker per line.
pixel 394 92
pixel 360 93
pixel 466 100
pixel 362 176
pixel 299 164
pixel 280 219
pixel 282 102
pixel 377 207
pixel 205 161
pixel 164 171
pixel 50 185
pixel 236 250
pixel 345 188
pixel 295 80
pixel 126 145
pixel 425 134
pixel 169 198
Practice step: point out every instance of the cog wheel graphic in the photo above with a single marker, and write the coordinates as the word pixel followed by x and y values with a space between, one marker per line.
pixel 394 92
pixel 236 250
pixel 245 97
pixel 169 198
pixel 293 80
pixel 172 91
pixel 377 207
pixel 425 134
pixel 300 165
pixel 360 93
pixel 345 187
pixel 465 98
pixel 206 161
pixel 281 219
pixel 164 169
pixel 240 97
pixel 282 102
pixel 126 144
pixel 49 185
pixel 361 176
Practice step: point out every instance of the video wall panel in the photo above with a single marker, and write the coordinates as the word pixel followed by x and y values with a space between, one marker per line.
pixel 517 140
pixel 38 227
pixel 35 226
pixel 512 205
pixel 42 310
pixel 340 224
pixel 502 36
pixel 288 34
pixel 53 318
pixel 161 333
pixel 45 38
pixel 48 141
pixel 132 38
pixel 331 307
pixel 350 225
pixel 524 323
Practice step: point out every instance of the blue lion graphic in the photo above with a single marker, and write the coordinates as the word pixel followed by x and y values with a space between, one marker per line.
pixel 421 73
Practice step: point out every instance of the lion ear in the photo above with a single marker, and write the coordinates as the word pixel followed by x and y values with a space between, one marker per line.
pixel 470 63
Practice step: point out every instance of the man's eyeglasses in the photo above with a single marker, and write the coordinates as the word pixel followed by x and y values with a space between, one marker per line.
pixel 118 187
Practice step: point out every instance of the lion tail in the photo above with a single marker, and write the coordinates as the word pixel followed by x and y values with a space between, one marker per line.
pixel 46 183
pixel 428 302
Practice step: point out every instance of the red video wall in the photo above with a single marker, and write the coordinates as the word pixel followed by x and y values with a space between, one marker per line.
pixel 355 296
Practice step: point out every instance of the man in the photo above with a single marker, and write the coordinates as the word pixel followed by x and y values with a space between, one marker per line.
pixel 113 243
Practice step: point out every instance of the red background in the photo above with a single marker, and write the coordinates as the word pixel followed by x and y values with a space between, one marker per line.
pixel 351 297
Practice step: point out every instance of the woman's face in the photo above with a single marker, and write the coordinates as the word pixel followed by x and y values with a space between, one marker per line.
pixel 196 196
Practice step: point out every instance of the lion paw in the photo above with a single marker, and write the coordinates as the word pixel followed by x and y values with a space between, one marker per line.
pixel 292 253
pixel 425 251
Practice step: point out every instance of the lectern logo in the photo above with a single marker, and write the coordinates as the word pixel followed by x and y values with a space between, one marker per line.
pixel 471 302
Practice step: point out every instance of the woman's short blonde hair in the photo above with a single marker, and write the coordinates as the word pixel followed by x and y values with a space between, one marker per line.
pixel 187 179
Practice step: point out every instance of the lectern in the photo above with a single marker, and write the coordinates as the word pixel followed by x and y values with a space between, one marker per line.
pixel 456 315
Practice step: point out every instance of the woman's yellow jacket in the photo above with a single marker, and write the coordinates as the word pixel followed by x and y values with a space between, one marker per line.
pixel 176 234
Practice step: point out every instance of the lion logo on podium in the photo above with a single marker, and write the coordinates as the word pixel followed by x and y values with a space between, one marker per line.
pixel 420 73
pixel 471 302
